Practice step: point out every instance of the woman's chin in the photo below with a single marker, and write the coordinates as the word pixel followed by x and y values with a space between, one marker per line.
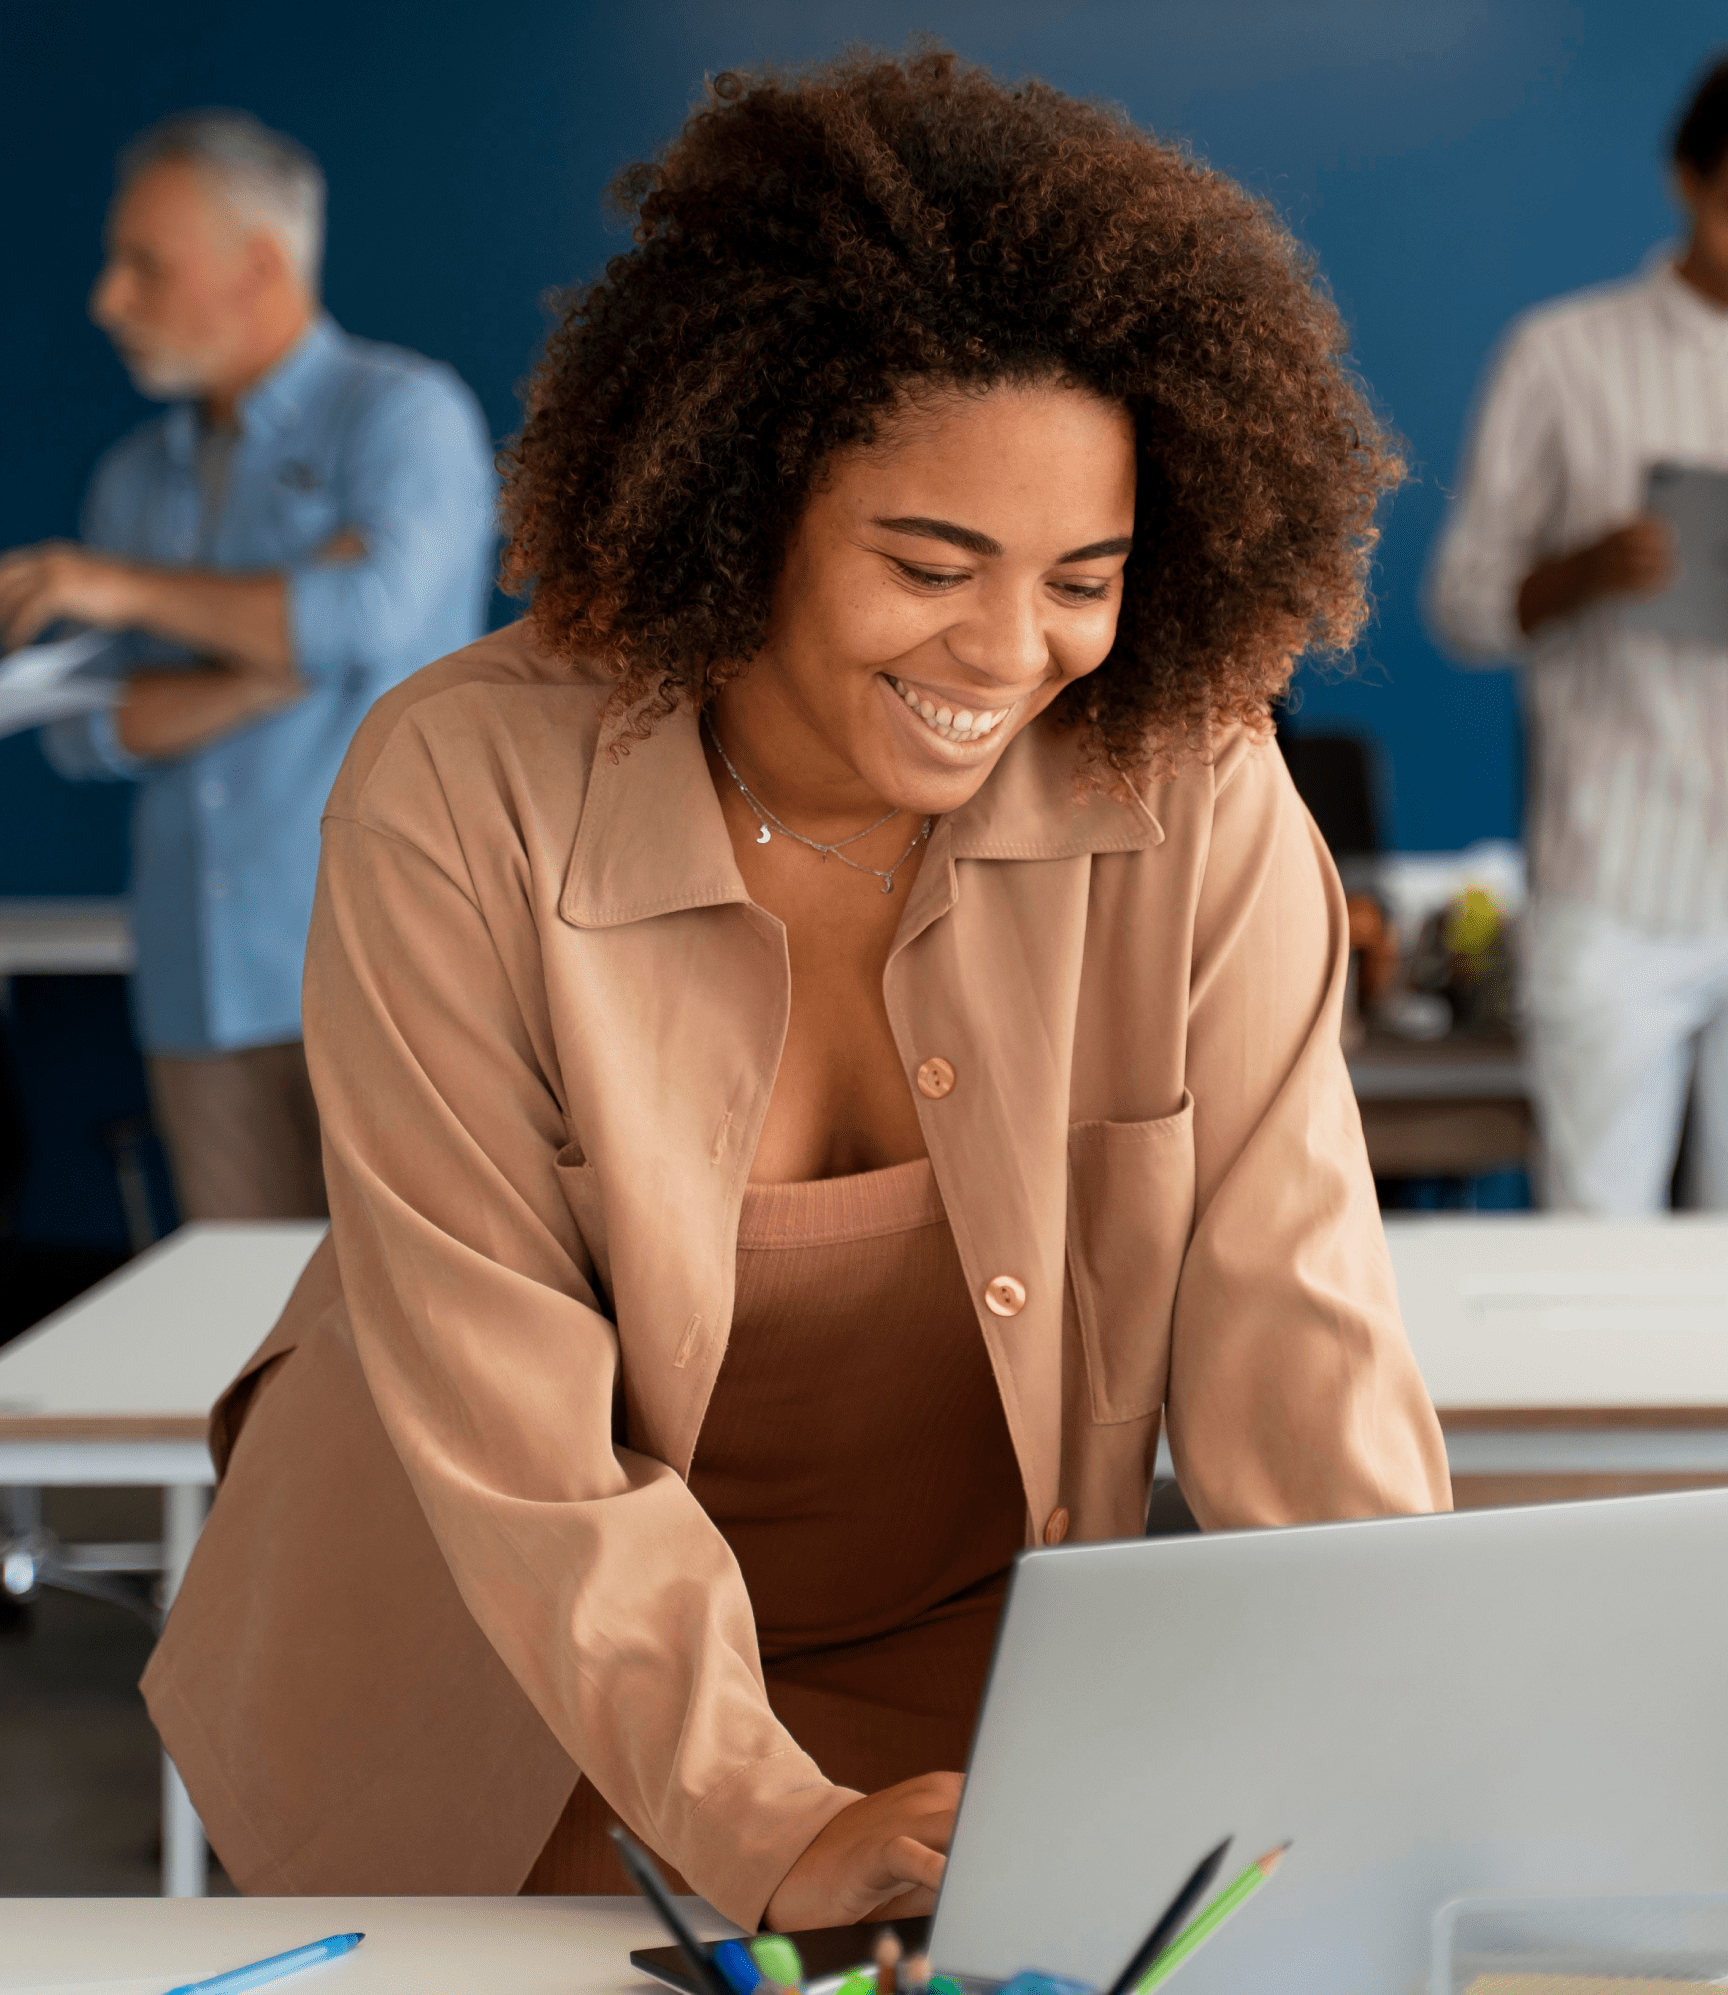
pixel 922 770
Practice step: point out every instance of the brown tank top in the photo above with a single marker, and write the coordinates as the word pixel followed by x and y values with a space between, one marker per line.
pixel 854 1452
pixel 856 1458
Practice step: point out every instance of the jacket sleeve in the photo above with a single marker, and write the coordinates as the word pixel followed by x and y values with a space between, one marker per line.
pixel 590 1567
pixel 1293 1394
pixel 1501 522
pixel 421 495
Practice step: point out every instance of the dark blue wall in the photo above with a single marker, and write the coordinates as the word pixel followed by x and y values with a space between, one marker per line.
pixel 1450 161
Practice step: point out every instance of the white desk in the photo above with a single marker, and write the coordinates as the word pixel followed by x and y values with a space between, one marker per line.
pixel 57 938
pixel 1568 1347
pixel 1553 1347
pixel 432 1946
pixel 116 1388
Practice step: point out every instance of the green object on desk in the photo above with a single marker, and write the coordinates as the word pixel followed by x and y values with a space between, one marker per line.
pixel 945 1984
pixel 778 1959
pixel 861 1981
pixel 1195 1935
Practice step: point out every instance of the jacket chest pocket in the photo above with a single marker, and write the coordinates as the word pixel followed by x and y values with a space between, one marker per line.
pixel 1130 1212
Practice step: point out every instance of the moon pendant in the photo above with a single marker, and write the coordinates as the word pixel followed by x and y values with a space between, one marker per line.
pixel 766 835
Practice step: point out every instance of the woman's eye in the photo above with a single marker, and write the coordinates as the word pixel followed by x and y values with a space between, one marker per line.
pixel 1084 592
pixel 927 578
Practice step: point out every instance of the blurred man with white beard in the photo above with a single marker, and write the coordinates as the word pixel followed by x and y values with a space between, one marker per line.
pixel 310 522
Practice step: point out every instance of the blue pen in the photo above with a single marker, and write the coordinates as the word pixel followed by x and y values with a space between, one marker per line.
pixel 279 1964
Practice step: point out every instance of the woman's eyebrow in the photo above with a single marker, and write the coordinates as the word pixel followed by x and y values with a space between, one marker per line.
pixel 1097 549
pixel 959 536
pixel 981 543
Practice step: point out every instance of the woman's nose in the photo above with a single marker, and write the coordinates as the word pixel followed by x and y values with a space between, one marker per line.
pixel 1003 640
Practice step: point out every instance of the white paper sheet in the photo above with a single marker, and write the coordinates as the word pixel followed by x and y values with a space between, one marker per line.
pixel 45 682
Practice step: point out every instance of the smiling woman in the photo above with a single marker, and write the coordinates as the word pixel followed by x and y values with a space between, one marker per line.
pixel 826 1032
pixel 841 247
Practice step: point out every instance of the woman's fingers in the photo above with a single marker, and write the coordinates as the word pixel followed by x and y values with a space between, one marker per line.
pixel 881 1857
pixel 913 1862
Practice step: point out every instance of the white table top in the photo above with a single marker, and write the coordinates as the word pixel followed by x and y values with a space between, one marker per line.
pixel 1513 1311
pixel 507 1946
pixel 86 937
pixel 144 1354
pixel 1532 1310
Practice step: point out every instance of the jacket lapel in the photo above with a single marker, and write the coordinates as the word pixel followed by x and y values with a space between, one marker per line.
pixel 682 990
pixel 990 981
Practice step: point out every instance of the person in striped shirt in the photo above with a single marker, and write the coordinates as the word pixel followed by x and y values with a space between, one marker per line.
pixel 1547 546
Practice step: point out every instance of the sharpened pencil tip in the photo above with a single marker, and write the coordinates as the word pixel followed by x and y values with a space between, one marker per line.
pixel 1272 1859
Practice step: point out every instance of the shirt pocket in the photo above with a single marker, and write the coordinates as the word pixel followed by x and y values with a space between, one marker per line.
pixel 1130 1214
pixel 301 521
pixel 580 1183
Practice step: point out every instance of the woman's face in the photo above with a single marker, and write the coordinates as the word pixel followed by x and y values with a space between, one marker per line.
pixel 941 589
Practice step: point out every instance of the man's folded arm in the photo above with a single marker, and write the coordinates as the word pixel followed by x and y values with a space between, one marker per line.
pixel 419 501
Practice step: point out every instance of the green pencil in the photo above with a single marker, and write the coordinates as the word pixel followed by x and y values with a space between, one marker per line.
pixel 1199 1930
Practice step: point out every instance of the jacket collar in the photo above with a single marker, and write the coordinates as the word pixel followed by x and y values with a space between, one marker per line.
pixel 277 402
pixel 1687 311
pixel 652 839
pixel 272 404
pixel 1695 314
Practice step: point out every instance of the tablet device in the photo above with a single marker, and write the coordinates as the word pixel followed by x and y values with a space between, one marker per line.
pixel 1527 1701
pixel 1694 607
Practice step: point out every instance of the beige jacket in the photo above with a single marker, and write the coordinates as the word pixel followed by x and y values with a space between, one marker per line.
pixel 454 1558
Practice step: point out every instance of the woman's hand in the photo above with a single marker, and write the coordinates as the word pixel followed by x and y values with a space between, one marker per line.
pixel 881 1858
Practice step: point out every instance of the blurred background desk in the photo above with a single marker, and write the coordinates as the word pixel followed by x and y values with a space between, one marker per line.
pixel 1452 1107
pixel 116 1389
pixel 1570 1356
pixel 60 938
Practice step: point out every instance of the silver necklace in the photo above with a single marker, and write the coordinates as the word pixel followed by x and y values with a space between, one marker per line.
pixel 765 817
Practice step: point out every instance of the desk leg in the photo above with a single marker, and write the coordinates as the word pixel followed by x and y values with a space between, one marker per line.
pixel 184 1852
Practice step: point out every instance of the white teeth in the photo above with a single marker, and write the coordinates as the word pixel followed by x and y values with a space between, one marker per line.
pixel 952 723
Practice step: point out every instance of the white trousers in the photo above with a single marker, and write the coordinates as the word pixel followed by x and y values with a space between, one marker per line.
pixel 1621 1025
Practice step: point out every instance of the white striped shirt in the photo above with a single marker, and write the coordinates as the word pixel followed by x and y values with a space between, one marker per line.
pixel 1629 731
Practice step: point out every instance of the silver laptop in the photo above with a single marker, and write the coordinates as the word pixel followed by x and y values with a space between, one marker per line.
pixel 1512 1700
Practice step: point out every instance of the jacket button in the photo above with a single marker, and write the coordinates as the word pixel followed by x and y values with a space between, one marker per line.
pixel 1056 1526
pixel 936 1077
pixel 1005 1296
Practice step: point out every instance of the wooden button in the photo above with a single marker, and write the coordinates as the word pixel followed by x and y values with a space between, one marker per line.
pixel 1005 1296
pixel 935 1077
pixel 1056 1528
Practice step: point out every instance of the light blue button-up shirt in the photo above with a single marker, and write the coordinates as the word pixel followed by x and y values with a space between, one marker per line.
pixel 343 433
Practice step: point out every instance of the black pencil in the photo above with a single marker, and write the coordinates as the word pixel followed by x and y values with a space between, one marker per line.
pixel 1170 1923
pixel 652 1886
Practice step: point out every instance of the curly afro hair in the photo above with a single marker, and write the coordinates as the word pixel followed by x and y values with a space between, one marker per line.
pixel 816 244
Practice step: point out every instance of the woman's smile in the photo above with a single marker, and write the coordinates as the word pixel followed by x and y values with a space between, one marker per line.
pixel 945 716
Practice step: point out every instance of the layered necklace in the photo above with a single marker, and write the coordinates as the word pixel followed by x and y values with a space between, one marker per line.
pixel 766 818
